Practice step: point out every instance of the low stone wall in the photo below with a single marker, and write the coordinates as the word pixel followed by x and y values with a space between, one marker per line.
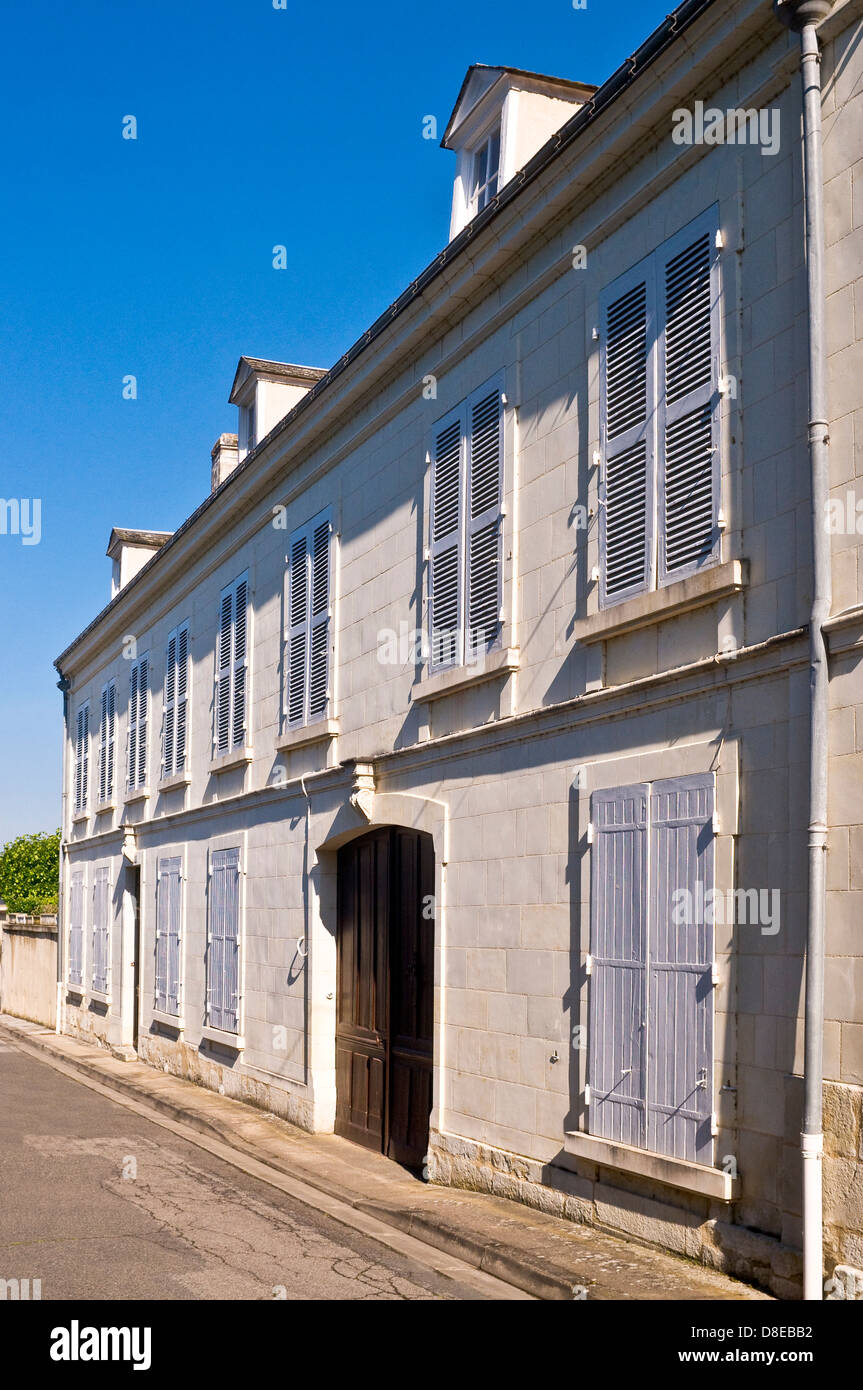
pixel 28 970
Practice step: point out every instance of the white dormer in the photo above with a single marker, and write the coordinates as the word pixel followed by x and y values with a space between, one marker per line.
pixel 129 551
pixel 264 393
pixel 502 117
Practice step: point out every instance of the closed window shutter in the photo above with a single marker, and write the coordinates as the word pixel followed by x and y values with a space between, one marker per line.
pixel 627 407
pixel 223 941
pixel 223 672
pixel 240 661
pixel 618 936
pixel 680 1010
pixel 446 586
pixel 182 697
pixel 76 929
pixel 485 458
pixel 689 371
pixel 320 620
pixel 168 937
pixel 132 770
pixel 298 627
pixel 101 931
pixel 82 757
pixel 107 714
pixel 170 716
pixel 143 687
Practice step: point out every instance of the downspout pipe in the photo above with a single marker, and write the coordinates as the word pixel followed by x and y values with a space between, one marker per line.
pixel 802 16
pixel 64 685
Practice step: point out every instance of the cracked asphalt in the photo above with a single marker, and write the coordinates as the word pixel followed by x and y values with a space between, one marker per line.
pixel 99 1203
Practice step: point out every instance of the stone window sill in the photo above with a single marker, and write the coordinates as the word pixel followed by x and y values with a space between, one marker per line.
pixel 136 794
pixel 494 664
pixel 99 996
pixel 674 1172
pixel 237 757
pixel 80 816
pixel 645 610
pixel 105 806
pixel 177 779
pixel 80 990
pixel 218 1035
pixel 305 734
pixel 169 1020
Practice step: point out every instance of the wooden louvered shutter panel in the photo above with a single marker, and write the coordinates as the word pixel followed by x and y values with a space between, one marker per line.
pixel 161 1002
pixel 319 644
pixel 223 962
pixel 112 724
pixel 101 931
pixel 85 754
pixel 76 930
pixel 240 662
pixel 626 411
pixel 143 688
pixel 485 461
pixel 79 757
pixel 298 628
pixel 618 945
pixel 170 706
pixel 103 745
pixel 680 991
pixel 182 697
pixel 446 552
pixel 688 418
pixel 132 770
pixel 172 985
pixel 223 672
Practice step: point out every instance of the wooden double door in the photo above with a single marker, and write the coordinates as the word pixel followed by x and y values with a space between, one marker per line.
pixel 385 992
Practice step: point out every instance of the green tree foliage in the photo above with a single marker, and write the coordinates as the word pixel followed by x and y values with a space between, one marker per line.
pixel 30 873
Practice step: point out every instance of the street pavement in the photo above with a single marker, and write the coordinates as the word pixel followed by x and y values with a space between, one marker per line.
pixel 97 1202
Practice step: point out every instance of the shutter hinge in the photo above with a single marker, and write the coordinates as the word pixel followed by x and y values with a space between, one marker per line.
pixel 587 1095
pixel 590 832
pixel 588 964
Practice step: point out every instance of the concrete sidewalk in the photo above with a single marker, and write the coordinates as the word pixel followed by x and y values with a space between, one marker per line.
pixel 544 1256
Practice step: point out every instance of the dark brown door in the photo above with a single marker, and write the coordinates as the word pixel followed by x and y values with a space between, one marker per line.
pixel 385 993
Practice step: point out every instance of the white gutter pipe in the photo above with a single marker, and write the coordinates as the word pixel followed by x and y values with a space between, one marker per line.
pixel 802 16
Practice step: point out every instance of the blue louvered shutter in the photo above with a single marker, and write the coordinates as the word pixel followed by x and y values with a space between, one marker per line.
pixel 446 565
pixel 182 696
pixel 618 946
pixel 143 711
pixel 680 1012
pixel 169 721
pixel 224 644
pixel 319 646
pixel 82 757
pixel 101 931
pixel 484 532
pixel 240 662
pixel 688 416
pixel 627 429
pixel 107 719
pixel 223 960
pixel 76 929
pixel 297 644
pixel 167 995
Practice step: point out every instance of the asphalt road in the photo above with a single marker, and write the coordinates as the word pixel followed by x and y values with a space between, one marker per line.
pixel 100 1203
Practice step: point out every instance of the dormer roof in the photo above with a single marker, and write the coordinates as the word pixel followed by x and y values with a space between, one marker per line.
pixel 481 79
pixel 260 367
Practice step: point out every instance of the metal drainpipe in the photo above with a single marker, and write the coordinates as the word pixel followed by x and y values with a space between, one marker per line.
pixel 802 16
pixel 64 684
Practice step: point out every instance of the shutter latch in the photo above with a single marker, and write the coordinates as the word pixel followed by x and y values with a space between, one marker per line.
pixel 588 964
pixel 587 1095
pixel 590 832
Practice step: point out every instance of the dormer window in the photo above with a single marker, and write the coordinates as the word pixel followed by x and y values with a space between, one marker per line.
pixel 486 169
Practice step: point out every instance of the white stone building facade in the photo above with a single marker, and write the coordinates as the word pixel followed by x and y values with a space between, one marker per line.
pixel 419 888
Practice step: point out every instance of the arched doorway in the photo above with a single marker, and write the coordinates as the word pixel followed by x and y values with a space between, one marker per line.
pixel 385 1013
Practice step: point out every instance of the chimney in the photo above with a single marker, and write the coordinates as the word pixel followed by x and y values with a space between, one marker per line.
pixel 225 454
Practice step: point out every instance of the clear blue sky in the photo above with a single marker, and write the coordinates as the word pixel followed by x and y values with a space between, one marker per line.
pixel 153 257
